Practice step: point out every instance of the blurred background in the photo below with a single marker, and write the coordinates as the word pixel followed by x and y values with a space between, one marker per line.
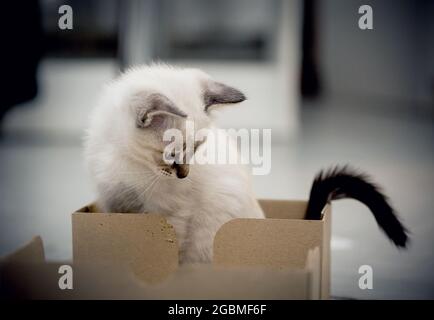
pixel 331 93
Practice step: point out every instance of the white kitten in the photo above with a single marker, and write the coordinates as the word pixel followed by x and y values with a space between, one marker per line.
pixel 124 153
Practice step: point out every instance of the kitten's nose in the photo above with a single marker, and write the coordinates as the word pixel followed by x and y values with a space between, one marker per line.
pixel 181 170
pixel 181 175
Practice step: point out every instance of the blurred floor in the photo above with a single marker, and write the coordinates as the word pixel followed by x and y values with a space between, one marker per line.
pixel 43 178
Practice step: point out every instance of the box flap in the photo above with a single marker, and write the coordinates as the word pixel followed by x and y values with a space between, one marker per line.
pixel 40 281
pixel 144 242
pixel 32 252
pixel 213 282
pixel 283 209
pixel 277 243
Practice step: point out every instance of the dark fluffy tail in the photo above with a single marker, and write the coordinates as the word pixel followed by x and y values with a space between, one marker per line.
pixel 342 182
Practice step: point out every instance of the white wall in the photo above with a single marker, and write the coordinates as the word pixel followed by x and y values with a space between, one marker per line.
pixel 393 61
pixel 271 86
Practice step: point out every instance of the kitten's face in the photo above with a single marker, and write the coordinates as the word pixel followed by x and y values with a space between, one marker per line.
pixel 157 98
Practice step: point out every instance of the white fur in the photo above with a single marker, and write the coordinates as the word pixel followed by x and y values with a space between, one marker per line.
pixel 121 160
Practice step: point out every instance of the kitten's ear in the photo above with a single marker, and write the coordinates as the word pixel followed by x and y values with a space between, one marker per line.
pixel 154 109
pixel 218 93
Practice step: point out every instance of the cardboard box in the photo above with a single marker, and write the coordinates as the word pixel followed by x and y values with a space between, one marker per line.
pixel 146 243
pixel 135 256
pixel 25 275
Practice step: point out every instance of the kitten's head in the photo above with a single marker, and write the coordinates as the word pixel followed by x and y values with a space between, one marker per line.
pixel 146 101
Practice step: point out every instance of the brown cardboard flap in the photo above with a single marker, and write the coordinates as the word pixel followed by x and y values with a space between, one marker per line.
pixel 40 281
pixel 277 243
pixel 144 242
pixel 32 252
pixel 209 281
pixel 216 282
pixel 283 209
pixel 25 279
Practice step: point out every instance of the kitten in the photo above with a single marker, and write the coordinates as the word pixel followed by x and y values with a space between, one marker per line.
pixel 124 152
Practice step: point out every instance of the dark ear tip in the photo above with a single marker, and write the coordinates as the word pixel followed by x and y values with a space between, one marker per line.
pixel 238 97
pixel 242 97
pixel 218 93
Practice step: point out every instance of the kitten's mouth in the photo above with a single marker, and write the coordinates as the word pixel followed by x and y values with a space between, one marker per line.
pixel 181 170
